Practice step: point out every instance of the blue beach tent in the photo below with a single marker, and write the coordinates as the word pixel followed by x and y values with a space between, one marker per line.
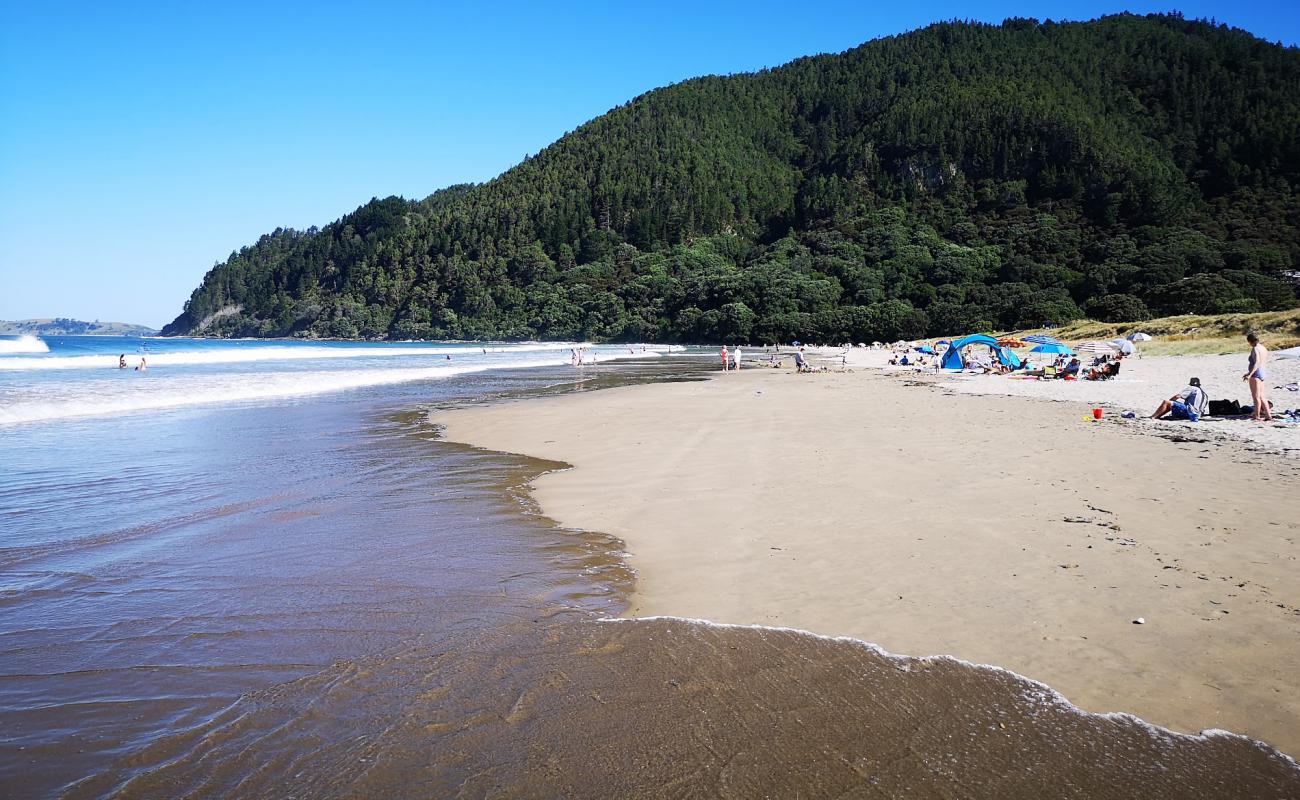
pixel 1009 358
pixel 952 357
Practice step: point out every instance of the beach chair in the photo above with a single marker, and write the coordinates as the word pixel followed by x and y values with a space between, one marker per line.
pixel 1050 372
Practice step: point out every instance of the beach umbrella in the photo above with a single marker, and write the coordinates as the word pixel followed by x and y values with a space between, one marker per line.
pixel 1011 343
pixel 1097 348
pixel 1042 338
pixel 1139 337
pixel 1055 349
pixel 1124 346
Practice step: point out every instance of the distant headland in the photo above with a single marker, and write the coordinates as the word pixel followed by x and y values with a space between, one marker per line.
pixel 62 326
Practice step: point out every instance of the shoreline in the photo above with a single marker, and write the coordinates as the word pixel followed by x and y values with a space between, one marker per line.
pixel 1081 644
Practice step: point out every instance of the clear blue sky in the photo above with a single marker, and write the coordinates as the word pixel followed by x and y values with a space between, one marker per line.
pixel 140 143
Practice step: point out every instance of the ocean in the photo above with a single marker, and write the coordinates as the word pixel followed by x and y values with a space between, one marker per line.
pixel 253 569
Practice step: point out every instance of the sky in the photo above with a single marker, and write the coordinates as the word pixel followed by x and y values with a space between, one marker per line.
pixel 142 143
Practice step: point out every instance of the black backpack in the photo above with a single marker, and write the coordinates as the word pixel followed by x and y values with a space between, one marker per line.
pixel 1224 408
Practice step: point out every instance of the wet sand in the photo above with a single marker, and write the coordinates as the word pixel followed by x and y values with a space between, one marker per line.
pixel 998 530
pixel 664 708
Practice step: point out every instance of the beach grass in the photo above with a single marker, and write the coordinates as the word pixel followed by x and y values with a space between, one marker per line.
pixel 1188 334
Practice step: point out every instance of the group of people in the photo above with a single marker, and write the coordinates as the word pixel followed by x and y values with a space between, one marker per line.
pixel 730 359
pixel 121 363
pixel 905 359
pixel 1190 403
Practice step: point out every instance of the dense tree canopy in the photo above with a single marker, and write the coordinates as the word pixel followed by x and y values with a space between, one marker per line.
pixel 957 178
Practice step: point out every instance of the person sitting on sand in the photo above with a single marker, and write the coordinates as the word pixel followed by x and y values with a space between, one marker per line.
pixel 1255 376
pixel 1189 403
pixel 1072 369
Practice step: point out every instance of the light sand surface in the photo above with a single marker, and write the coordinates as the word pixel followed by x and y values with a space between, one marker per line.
pixel 999 530
pixel 1142 384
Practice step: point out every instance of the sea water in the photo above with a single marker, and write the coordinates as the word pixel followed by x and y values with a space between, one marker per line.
pixel 242 513
pixel 79 376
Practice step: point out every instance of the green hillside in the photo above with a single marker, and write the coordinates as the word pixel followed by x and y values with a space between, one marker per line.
pixel 960 177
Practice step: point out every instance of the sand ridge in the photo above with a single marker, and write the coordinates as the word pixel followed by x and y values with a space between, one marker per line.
pixel 997 530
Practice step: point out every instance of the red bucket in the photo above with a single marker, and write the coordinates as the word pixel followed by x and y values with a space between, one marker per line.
pixel 1096 413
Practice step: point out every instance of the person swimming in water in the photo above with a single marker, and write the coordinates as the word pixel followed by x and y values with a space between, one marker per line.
pixel 121 361
pixel 141 367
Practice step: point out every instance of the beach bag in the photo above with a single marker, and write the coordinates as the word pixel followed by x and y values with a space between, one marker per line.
pixel 1224 408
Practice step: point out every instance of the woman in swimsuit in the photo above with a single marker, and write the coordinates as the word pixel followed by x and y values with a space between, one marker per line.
pixel 1256 373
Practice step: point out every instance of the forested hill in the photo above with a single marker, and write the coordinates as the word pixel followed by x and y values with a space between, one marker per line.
pixel 959 178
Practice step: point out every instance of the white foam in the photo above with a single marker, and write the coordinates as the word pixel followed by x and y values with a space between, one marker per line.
pixel 239 355
pixel 129 392
pixel 24 344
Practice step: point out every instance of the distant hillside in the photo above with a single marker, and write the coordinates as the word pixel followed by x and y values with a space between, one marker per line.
pixel 957 178
pixel 61 326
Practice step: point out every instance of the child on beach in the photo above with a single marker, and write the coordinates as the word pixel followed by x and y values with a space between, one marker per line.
pixel 726 364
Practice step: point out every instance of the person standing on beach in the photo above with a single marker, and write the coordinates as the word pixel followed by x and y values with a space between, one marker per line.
pixel 1256 373
pixel 725 362
pixel 735 358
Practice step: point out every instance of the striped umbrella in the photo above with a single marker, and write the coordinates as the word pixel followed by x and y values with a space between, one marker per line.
pixel 1042 338
pixel 1097 348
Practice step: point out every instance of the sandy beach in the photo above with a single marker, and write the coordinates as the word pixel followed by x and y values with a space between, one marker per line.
pixel 1142 384
pixel 998 530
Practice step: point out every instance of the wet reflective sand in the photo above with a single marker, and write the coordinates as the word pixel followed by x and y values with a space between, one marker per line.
pixel 152 572
pixel 667 708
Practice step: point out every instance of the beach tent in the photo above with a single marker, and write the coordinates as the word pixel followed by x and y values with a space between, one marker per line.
pixel 925 348
pixel 1290 352
pixel 1125 346
pixel 952 358
pixel 1139 337
pixel 1007 357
